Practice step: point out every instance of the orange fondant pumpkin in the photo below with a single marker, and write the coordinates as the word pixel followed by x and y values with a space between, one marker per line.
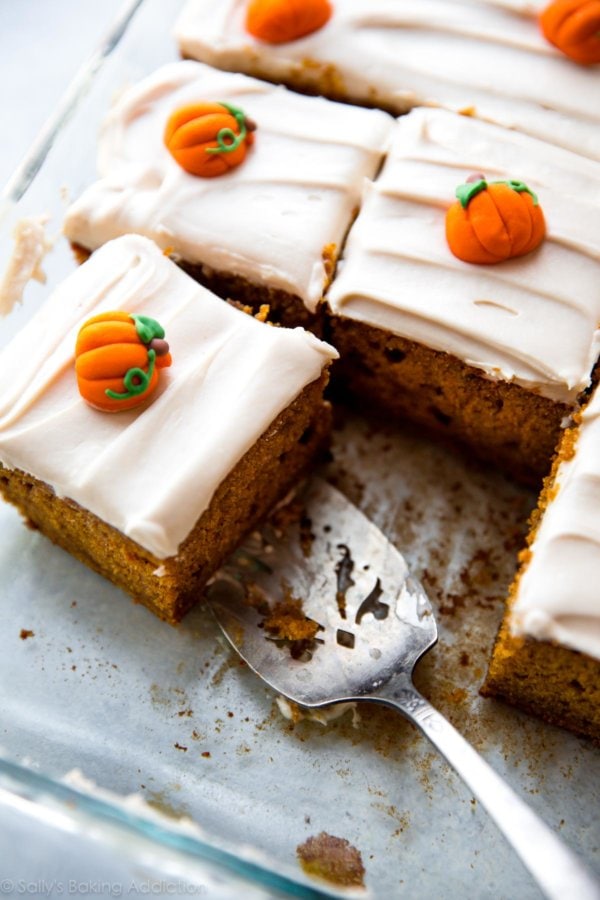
pixel 490 223
pixel 280 21
pixel 117 358
pixel 208 139
pixel 574 27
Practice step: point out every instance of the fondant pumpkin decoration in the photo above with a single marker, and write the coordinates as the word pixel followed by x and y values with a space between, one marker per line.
pixel 209 139
pixel 493 222
pixel 117 358
pixel 574 27
pixel 280 21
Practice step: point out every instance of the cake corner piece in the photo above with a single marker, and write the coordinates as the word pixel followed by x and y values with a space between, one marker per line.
pixel 546 657
pixel 155 497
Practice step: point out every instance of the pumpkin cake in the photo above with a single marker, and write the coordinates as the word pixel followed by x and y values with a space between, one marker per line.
pixel 261 220
pixel 154 497
pixel 495 356
pixel 547 655
pixel 486 57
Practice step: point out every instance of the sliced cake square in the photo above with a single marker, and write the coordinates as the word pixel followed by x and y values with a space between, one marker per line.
pixel 270 228
pixel 494 355
pixel 154 498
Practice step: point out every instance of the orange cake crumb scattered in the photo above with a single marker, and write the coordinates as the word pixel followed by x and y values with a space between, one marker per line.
pixel 332 858
pixel 329 255
pixel 287 621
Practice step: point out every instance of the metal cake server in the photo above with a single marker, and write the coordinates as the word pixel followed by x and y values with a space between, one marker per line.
pixel 374 623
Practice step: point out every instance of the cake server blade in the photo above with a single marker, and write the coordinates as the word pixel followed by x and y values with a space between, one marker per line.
pixel 323 608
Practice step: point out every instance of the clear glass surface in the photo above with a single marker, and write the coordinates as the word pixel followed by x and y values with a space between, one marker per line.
pixel 170 714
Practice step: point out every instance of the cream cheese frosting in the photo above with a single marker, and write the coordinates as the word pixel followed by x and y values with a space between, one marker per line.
pixel 533 320
pixel 557 597
pixel 150 472
pixel 484 55
pixel 30 247
pixel 268 221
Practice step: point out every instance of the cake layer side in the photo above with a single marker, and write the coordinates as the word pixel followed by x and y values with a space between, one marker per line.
pixel 149 472
pixel 501 423
pixel 276 220
pixel 543 679
pixel 170 587
pixel 533 319
pixel 283 308
pixel 546 658
pixel 487 57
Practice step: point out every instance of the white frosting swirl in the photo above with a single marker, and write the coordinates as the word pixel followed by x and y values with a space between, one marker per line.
pixel 270 219
pixel 150 472
pixel 557 596
pixel 533 320
pixel 486 54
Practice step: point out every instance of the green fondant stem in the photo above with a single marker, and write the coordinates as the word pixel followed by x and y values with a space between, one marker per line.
pixel 226 134
pixel 466 192
pixel 135 380
pixel 147 328
pixel 520 187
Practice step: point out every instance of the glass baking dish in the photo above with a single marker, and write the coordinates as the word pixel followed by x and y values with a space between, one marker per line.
pixel 170 715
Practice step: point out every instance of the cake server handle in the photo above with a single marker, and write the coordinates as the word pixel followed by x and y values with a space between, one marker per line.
pixel 559 872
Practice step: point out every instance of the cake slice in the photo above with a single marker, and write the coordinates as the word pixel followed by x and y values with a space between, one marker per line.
pixel 547 655
pixel 485 57
pixel 492 355
pixel 154 498
pixel 269 230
